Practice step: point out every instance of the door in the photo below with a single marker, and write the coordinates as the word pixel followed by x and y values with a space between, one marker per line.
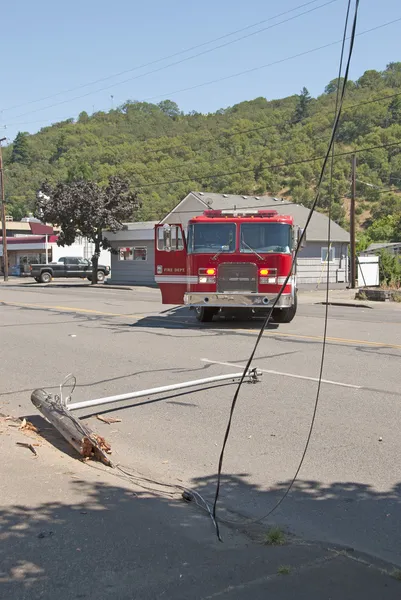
pixel 85 267
pixel 170 263
pixel 72 267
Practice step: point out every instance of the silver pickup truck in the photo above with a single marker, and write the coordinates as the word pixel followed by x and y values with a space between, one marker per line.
pixel 69 266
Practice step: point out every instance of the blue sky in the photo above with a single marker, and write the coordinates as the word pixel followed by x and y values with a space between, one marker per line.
pixel 51 47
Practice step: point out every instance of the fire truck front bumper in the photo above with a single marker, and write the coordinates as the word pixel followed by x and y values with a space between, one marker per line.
pixel 237 300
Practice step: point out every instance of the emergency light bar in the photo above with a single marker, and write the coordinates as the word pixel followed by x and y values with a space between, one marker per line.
pixel 240 213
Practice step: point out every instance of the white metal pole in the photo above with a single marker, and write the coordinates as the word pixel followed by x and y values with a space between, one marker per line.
pixel 47 249
pixel 160 390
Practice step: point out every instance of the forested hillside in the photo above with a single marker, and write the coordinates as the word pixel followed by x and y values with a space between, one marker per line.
pixel 255 147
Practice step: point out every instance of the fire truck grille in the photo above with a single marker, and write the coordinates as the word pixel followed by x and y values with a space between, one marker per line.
pixel 237 277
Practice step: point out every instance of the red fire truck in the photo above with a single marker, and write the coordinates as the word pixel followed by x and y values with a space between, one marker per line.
pixel 229 261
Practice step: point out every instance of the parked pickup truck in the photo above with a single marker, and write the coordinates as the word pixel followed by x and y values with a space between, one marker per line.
pixel 69 266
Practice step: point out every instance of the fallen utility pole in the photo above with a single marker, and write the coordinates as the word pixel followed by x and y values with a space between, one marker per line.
pixel 87 443
pixel 56 409
pixel 251 376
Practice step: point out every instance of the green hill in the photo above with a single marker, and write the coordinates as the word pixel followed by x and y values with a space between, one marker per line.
pixel 165 153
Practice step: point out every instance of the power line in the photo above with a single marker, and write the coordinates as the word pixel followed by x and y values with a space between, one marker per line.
pixel 269 64
pixel 178 62
pixel 235 398
pixel 158 60
pixel 271 166
pixel 215 80
pixel 227 135
pixel 264 127
pixel 378 188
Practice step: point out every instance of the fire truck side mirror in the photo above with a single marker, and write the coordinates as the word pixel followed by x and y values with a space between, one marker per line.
pixel 169 238
pixel 164 238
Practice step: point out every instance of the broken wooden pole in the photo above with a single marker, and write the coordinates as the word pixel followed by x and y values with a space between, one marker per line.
pixel 87 443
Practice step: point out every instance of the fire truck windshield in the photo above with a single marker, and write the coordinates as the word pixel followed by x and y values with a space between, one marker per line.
pixel 211 238
pixel 265 237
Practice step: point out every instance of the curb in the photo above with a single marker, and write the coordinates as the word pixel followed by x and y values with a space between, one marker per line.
pixel 348 304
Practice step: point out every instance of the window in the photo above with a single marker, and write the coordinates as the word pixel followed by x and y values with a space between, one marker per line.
pixel 211 238
pixel 176 238
pixel 136 253
pixel 140 253
pixel 160 238
pixel 266 238
pixel 325 252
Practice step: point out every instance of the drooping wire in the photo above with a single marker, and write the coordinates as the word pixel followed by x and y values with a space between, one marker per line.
pixel 249 362
pixel 327 293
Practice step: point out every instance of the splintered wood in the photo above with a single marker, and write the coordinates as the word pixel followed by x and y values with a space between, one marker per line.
pixel 87 443
pixel 108 420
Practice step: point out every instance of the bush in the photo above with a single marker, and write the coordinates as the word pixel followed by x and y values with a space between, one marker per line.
pixel 390 269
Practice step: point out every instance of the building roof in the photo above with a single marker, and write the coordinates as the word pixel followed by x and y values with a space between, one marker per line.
pixel 140 225
pixel 373 247
pixel 317 229
pixel 141 230
pixel 20 226
pixel 30 239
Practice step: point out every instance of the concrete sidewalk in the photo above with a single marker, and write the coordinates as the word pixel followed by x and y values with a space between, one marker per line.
pixel 74 530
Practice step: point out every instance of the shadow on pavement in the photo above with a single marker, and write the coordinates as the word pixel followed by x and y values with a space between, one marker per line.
pixel 107 541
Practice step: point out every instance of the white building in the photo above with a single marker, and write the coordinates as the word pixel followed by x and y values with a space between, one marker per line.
pixel 24 250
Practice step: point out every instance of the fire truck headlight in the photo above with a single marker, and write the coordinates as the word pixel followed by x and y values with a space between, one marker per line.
pixel 204 279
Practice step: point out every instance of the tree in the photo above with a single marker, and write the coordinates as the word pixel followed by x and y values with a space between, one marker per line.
pixel 392 74
pixel 84 208
pixel 169 108
pixel 61 147
pixel 332 86
pixel 370 79
pixel 390 269
pixel 383 229
pixel 302 107
pixel 395 110
pixel 20 152
pixel 83 117
pixel 79 172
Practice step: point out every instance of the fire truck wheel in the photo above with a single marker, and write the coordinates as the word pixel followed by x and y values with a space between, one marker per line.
pixel 285 315
pixel 204 314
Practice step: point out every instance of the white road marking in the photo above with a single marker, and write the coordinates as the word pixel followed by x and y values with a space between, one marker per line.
pixel 292 375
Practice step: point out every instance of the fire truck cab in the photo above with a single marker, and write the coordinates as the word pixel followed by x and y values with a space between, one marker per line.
pixel 229 261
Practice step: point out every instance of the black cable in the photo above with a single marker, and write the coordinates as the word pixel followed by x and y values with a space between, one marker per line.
pixel 271 166
pixel 163 58
pixel 246 368
pixel 326 315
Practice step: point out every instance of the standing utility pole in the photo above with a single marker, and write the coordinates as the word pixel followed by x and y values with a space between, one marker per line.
pixel 352 224
pixel 3 215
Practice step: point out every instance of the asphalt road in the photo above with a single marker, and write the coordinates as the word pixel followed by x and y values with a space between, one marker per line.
pixel 115 341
